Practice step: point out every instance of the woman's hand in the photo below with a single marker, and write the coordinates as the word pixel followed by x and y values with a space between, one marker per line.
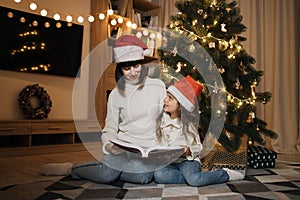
pixel 113 149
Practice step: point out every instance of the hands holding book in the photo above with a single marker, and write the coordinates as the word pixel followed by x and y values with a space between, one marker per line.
pixel 114 149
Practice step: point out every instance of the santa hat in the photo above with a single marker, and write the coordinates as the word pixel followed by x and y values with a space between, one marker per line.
pixel 130 48
pixel 186 92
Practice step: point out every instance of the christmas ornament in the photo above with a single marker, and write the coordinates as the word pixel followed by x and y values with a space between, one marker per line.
pixel 223 29
pixel 253 91
pixel 221 70
pixel 191 48
pixel 211 45
pixel 232 42
pixel 174 52
pixel 223 45
pixel 216 89
pixel 178 67
pixel 237 84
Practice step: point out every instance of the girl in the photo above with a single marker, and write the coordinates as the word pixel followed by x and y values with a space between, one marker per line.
pixel 179 128
pixel 133 111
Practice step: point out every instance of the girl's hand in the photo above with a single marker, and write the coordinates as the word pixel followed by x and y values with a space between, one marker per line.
pixel 186 150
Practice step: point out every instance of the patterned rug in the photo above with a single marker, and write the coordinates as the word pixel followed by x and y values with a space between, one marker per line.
pixel 281 182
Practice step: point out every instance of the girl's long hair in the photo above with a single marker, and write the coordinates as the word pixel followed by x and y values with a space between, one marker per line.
pixel 190 122
pixel 119 76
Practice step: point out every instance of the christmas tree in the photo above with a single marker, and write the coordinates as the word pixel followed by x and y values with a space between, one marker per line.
pixel 216 27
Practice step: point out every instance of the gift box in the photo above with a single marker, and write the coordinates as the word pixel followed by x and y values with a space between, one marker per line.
pixel 208 161
pixel 236 161
pixel 260 157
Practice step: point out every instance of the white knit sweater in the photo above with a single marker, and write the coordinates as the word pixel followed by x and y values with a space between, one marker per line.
pixel 133 115
pixel 172 135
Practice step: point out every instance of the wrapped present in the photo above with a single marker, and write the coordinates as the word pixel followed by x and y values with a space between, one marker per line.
pixel 208 161
pixel 260 157
pixel 237 161
pixel 233 160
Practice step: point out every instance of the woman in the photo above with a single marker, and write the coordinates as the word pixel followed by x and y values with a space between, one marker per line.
pixel 179 128
pixel 133 112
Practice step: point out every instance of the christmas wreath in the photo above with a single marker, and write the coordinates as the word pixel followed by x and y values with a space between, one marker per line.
pixel 39 112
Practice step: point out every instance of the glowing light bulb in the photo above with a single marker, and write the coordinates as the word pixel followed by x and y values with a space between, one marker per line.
pixel 128 24
pixel 152 35
pixel 113 22
pixel 120 20
pixel 33 6
pixel 80 19
pixel 47 24
pixel 10 14
pixel 58 25
pixel 101 16
pixel 91 18
pixel 69 18
pixel 44 12
pixel 139 34
pixel 110 12
pixel 17 1
pixel 133 26
pixel 56 16
pixel 145 32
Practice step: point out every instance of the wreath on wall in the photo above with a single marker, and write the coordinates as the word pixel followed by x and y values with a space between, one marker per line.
pixel 25 102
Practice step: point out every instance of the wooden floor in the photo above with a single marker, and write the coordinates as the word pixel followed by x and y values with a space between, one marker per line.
pixel 16 168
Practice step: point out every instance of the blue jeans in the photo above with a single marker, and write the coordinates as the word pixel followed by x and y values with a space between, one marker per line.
pixel 124 167
pixel 189 172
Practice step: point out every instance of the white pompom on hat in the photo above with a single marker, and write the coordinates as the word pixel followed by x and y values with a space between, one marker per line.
pixel 186 92
pixel 130 48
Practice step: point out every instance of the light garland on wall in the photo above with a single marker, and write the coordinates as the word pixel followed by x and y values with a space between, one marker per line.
pixel 114 19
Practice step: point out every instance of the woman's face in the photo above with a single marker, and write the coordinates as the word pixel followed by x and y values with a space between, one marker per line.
pixel 132 73
pixel 172 106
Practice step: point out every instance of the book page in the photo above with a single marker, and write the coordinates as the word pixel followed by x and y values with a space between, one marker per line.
pixel 146 152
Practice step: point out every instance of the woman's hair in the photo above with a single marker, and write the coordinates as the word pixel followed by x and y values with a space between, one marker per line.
pixel 119 76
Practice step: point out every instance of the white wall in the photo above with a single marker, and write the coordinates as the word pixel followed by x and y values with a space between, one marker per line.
pixel 59 88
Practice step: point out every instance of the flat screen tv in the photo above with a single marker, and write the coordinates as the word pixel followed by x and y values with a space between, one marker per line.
pixel 35 44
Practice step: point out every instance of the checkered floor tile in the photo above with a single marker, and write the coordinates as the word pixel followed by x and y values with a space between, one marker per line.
pixel 281 182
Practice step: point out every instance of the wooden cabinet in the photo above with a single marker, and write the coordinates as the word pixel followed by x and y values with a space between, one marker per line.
pixel 30 133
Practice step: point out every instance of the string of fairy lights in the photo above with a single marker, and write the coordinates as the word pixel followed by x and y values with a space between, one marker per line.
pixel 72 18
pixel 116 20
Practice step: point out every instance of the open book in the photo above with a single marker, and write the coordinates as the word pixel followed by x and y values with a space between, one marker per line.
pixel 146 152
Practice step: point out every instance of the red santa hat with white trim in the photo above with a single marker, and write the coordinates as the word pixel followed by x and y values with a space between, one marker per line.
pixel 130 48
pixel 186 92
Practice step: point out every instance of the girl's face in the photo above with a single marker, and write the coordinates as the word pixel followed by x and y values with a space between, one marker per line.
pixel 172 106
pixel 132 73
